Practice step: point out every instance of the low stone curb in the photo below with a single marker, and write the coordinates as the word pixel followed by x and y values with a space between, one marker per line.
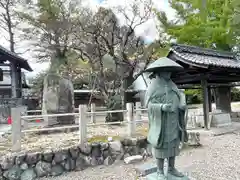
pixel 29 166
pixel 54 162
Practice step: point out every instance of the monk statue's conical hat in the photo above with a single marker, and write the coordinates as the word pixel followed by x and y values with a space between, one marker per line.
pixel 164 64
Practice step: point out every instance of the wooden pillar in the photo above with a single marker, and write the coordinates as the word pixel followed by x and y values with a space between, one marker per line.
pixel 16 128
pixel 205 103
pixel 210 99
pixel 82 123
pixel 14 78
pixel 130 120
pixel 19 82
pixel 93 114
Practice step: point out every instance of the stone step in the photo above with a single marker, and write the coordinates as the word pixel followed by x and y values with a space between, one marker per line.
pixel 145 169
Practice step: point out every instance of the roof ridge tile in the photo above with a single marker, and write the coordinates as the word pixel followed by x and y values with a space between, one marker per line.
pixel 202 51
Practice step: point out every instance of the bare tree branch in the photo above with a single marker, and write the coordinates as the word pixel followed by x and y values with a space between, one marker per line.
pixel 96 36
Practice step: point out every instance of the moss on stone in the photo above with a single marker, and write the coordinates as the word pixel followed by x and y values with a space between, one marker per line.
pixel 103 138
pixel 143 131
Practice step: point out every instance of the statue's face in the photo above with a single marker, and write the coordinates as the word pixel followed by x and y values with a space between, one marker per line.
pixel 165 75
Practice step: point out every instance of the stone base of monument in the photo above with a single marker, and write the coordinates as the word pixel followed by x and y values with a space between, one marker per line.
pixel 216 119
pixel 221 119
pixel 154 176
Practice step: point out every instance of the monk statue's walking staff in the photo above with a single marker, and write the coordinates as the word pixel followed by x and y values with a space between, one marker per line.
pixel 166 172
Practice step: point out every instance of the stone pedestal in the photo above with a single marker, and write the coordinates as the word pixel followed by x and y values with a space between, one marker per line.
pixel 150 171
pixel 58 98
pixel 146 168
pixel 220 119
pixel 154 176
pixel 5 108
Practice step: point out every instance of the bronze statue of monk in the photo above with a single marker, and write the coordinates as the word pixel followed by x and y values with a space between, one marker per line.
pixel 166 111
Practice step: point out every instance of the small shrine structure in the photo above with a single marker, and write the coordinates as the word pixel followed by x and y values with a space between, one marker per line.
pixel 11 82
pixel 211 69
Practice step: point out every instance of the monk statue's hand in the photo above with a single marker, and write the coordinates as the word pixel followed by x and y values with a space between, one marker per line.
pixel 167 107
pixel 182 107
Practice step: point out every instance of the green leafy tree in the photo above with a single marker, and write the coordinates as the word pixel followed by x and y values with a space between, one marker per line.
pixel 36 84
pixel 235 94
pixel 194 96
pixel 235 24
pixel 205 25
pixel 50 24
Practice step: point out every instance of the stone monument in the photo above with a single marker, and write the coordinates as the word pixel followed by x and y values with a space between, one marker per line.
pixel 58 97
pixel 166 111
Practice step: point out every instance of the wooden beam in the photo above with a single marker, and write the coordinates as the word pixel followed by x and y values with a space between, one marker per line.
pixel 204 84
pixel 196 79
pixel 209 98
pixel 4 64
pixel 188 78
pixel 188 86
pixel 226 78
pixel 4 58
pixel 211 85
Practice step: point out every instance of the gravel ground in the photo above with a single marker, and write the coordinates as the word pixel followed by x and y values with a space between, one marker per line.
pixel 35 142
pixel 217 159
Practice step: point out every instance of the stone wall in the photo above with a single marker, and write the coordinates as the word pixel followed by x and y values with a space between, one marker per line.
pixel 28 166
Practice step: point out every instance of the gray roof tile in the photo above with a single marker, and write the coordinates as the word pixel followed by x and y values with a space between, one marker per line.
pixel 203 56
pixel 18 59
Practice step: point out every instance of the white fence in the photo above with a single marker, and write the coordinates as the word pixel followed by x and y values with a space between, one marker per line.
pixel 133 115
pixel 20 121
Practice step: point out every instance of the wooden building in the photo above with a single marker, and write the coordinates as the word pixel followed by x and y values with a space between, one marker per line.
pixel 5 84
pixel 11 81
pixel 14 63
pixel 209 68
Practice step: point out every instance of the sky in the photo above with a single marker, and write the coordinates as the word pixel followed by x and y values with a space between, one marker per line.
pixel 147 30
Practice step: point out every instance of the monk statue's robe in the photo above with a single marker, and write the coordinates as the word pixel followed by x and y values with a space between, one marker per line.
pixel 166 109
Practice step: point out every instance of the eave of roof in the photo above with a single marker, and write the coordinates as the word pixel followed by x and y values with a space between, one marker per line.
pixel 204 57
pixel 16 58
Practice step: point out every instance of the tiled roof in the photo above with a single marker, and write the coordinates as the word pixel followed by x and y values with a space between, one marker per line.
pixel 205 57
pixel 16 58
